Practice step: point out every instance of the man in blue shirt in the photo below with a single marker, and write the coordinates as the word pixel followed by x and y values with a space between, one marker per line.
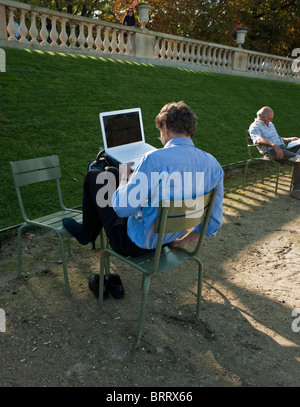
pixel 126 206
pixel 263 133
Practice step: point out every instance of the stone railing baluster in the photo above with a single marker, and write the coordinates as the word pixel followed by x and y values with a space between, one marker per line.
pixel 81 37
pixel 203 55
pixel 33 32
pixel 73 37
pixel 121 44
pixel 198 54
pixel 106 42
pixel 186 52
pixel 214 57
pixel 169 50
pixel 181 53
pixel 209 55
pixel 23 31
pixel 250 63
pixel 63 33
pixel 156 48
pixel 219 57
pixel 54 33
pixel 223 62
pixel 174 50
pixel 193 54
pixel 129 46
pixel 114 43
pixel 163 49
pixel 98 40
pixel 230 60
pixel 11 28
pixel 43 31
pixel 90 38
pixel 72 33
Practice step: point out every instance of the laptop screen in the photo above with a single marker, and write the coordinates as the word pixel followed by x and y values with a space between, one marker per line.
pixel 122 127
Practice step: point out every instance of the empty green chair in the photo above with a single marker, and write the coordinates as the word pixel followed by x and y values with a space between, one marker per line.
pixel 37 170
pixel 172 216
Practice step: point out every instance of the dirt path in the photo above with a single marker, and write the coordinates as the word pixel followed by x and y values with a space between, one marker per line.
pixel 244 337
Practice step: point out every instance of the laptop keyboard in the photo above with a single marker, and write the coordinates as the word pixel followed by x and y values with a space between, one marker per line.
pixel 137 152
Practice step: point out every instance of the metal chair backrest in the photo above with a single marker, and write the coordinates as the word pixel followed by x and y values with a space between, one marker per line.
pixel 175 216
pixel 251 147
pixel 31 171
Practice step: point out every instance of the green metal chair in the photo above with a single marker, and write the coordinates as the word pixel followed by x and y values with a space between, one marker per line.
pixel 251 148
pixel 172 216
pixel 37 170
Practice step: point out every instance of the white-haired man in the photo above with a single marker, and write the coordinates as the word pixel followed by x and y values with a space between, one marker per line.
pixel 263 133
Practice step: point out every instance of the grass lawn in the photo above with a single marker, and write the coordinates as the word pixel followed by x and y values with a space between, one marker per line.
pixel 50 104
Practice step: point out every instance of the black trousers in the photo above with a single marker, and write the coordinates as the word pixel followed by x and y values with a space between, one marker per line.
pixel 95 217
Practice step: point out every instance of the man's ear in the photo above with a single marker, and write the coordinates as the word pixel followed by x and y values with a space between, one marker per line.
pixel 165 128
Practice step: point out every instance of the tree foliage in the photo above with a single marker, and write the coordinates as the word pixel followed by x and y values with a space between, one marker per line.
pixel 274 25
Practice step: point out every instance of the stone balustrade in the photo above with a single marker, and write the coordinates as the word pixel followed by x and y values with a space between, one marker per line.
pixel 41 28
pixel 44 28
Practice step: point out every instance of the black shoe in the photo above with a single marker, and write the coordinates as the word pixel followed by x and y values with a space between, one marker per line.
pixel 76 230
pixel 115 286
pixel 94 286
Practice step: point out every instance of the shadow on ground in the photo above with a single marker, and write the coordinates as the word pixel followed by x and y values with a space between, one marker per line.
pixel 244 337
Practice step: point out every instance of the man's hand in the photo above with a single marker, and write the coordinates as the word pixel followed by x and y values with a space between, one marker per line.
pixel 278 151
pixel 178 244
pixel 185 241
pixel 289 139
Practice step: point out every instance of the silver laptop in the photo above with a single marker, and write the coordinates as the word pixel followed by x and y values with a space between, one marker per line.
pixel 293 144
pixel 123 135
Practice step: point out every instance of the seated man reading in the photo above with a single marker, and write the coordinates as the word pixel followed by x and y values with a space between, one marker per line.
pixel 263 133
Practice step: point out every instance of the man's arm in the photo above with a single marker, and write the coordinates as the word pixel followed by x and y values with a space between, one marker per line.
pixel 184 241
pixel 289 139
pixel 214 223
pixel 264 142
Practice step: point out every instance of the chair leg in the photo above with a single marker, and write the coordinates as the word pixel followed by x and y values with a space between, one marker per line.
pixel 101 279
pixel 264 171
pixel 19 272
pixel 277 180
pixel 64 264
pixel 103 246
pixel 292 179
pixel 143 280
pixel 245 172
pixel 107 266
pixel 199 294
pixel 146 285
pixel 69 248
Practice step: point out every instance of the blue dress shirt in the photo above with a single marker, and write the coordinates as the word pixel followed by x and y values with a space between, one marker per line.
pixel 178 165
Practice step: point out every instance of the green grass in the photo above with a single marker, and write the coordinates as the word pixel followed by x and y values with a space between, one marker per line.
pixel 50 104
